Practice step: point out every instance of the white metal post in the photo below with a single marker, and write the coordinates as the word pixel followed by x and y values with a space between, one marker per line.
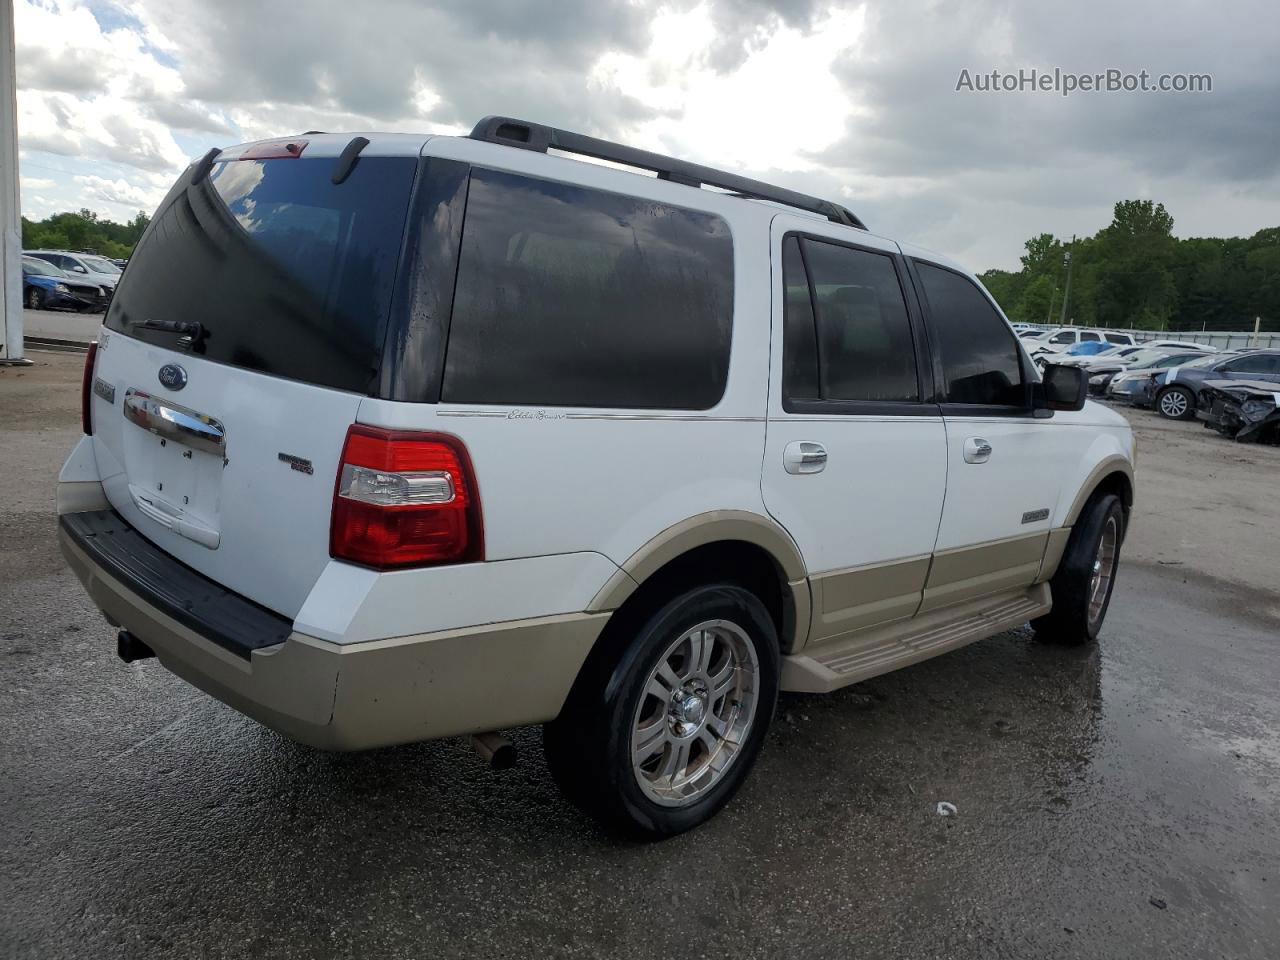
pixel 11 348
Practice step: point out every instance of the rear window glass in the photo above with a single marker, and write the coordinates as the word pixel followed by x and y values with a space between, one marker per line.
pixel 287 273
pixel 568 296
pixel 40 267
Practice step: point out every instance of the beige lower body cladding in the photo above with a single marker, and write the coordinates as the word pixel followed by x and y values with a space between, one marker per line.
pixel 870 620
pixel 357 696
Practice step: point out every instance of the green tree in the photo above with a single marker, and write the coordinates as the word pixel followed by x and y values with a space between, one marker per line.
pixel 1037 300
pixel 84 230
pixel 1135 286
pixel 1134 272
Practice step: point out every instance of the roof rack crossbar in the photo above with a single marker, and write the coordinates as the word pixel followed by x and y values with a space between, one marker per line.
pixel 539 138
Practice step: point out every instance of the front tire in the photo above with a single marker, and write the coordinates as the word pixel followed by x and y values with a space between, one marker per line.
pixel 668 716
pixel 1176 403
pixel 1086 575
pixel 34 298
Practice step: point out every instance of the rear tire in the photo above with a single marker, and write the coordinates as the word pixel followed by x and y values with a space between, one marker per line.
pixel 1176 403
pixel 1086 575
pixel 668 716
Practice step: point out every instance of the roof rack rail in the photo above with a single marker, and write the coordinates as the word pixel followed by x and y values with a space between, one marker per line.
pixel 539 137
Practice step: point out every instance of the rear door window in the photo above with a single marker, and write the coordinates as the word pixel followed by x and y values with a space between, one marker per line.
pixel 569 296
pixel 981 363
pixel 286 272
pixel 1254 363
pixel 847 331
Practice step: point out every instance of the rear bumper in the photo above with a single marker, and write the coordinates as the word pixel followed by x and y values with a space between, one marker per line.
pixel 329 695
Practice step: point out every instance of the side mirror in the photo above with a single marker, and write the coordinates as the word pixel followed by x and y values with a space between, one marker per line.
pixel 79 269
pixel 1060 388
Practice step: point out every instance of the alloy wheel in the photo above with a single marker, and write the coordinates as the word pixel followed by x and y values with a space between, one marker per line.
pixel 1174 404
pixel 696 713
pixel 1104 568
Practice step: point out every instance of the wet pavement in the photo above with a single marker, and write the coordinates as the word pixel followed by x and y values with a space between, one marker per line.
pixel 1119 801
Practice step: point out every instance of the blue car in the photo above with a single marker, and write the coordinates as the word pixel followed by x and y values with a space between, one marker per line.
pixel 45 287
pixel 1088 348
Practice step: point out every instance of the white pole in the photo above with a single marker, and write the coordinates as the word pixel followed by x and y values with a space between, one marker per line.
pixel 11 349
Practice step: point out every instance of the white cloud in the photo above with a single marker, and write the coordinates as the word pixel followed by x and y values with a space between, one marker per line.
pixel 839 98
pixel 120 192
pixel 91 93
pixel 35 183
pixel 781 103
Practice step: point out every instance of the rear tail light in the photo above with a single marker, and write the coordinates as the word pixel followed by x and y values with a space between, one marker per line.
pixel 86 389
pixel 405 499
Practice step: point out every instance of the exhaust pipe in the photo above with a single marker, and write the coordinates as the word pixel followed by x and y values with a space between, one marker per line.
pixel 495 749
pixel 129 648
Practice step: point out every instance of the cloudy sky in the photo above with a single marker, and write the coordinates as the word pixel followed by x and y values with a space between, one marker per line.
pixel 855 101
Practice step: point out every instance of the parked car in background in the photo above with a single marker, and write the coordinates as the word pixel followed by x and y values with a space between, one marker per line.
pixel 1054 342
pixel 1153 386
pixel 1130 385
pixel 1089 348
pixel 1110 353
pixel 1244 410
pixel 82 266
pixel 1100 372
pixel 45 287
pixel 1179 345
pixel 1179 396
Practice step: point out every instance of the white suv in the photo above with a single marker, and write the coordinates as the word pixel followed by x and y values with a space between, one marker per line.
pixel 81 266
pixel 401 437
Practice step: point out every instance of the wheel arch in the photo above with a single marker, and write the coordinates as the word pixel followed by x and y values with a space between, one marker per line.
pixel 1114 474
pixel 724 545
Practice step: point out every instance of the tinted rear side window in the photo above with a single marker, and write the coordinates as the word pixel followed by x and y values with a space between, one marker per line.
pixel 288 273
pixel 1255 363
pixel 980 358
pixel 800 332
pixel 865 349
pixel 568 296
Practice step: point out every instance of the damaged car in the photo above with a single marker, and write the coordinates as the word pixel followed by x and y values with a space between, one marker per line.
pixel 1179 396
pixel 1245 410
pixel 1123 380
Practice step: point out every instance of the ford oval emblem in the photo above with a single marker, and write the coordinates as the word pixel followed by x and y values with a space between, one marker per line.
pixel 172 376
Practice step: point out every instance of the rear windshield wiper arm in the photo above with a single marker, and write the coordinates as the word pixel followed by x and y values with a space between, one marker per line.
pixel 187 328
pixel 192 332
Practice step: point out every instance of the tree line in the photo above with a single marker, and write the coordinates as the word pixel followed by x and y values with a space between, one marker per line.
pixel 84 231
pixel 1135 273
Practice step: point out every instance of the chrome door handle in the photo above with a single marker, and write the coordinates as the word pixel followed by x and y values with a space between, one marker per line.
pixel 976 450
pixel 804 456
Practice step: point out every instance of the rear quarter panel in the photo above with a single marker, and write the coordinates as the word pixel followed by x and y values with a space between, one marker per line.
pixel 557 480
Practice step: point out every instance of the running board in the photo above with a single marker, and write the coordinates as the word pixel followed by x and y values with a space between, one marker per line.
pixel 843 660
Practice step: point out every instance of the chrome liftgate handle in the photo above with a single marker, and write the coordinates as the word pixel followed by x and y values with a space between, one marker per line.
pixel 172 422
